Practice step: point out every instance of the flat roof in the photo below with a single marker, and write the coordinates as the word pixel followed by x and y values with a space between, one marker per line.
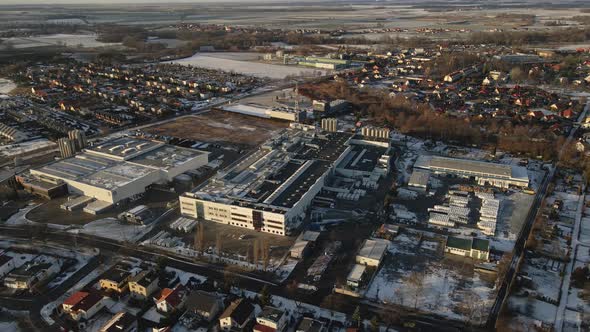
pixel 106 170
pixel 419 178
pixel 124 148
pixel 459 243
pixel 473 167
pixel 258 180
pixel 293 193
pixel 362 158
pixel 271 313
pixel 356 274
pixel 373 249
pixel 166 156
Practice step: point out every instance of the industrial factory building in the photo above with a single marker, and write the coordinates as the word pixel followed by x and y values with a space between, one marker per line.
pixel 497 175
pixel 271 189
pixel 120 168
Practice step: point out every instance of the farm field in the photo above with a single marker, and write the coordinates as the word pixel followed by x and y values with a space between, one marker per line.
pixel 84 40
pixel 243 64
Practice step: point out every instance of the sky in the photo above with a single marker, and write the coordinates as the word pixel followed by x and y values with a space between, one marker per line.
pixel 97 2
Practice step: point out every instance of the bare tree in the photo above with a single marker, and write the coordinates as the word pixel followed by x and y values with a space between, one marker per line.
pixel 265 253
pixel 400 295
pixel 473 308
pixel 218 244
pixel 416 282
pixel 200 238
pixel 256 252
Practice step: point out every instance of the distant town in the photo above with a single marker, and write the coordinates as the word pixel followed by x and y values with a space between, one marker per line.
pixel 295 168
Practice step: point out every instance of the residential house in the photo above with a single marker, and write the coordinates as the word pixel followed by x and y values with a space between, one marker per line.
pixel 170 300
pixel 121 322
pixel 204 305
pixel 143 284
pixel 83 305
pixel 29 274
pixel 271 319
pixel 237 315
pixel 116 279
pixel 6 265
pixel 310 325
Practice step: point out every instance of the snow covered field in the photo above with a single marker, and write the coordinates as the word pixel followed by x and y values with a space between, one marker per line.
pixel 112 228
pixel 6 85
pixel 444 288
pixel 227 62
pixel 84 40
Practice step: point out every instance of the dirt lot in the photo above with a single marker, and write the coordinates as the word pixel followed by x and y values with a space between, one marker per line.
pixel 221 127
pixel 231 244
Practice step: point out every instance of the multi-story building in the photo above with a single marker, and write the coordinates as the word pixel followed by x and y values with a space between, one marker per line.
pixel 143 284
pixel 116 279
pixel 271 189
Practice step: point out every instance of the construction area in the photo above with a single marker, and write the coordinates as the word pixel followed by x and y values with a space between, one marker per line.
pixel 220 127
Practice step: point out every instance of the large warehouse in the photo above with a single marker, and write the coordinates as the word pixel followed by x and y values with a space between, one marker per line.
pixel 271 189
pixel 498 175
pixel 121 168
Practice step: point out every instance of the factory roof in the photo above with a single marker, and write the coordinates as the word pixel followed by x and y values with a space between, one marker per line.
pixel 362 158
pixel 293 193
pixel 103 167
pixel 275 177
pixel 472 167
pixel 124 148
pixel 166 156
pixel 419 179
pixel 373 249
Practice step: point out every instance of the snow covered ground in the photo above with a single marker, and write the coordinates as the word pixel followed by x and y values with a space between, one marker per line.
pixel 6 85
pixel 533 308
pixel 226 62
pixel 185 276
pixel 10 327
pixel 443 288
pixel 112 228
pixel 294 308
pixel 84 40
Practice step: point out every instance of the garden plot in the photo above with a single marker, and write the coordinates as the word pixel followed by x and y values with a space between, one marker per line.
pixel 547 282
pixel 533 308
pixel 585 230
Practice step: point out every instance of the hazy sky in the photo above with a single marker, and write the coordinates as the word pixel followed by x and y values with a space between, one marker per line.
pixel 96 2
